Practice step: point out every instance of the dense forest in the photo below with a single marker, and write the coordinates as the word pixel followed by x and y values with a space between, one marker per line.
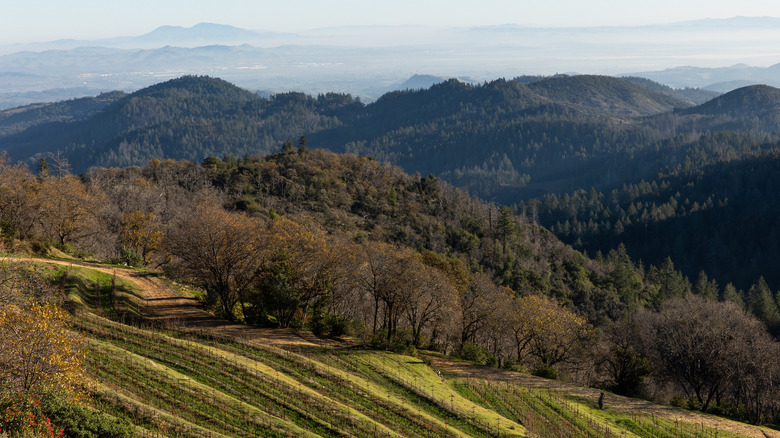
pixel 339 243
pixel 720 219
pixel 597 160
pixel 500 139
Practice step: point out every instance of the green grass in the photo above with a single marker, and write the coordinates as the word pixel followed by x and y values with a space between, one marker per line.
pixel 98 292
pixel 181 383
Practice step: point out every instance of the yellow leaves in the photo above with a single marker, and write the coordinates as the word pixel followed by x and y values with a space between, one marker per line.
pixel 38 349
pixel 142 233
pixel 549 331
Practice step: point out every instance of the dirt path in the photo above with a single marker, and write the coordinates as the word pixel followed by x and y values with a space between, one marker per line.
pixel 625 404
pixel 165 305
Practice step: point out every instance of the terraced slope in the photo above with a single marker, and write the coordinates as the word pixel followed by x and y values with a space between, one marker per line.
pixel 180 372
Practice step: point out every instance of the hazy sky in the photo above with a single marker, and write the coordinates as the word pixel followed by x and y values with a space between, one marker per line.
pixel 45 20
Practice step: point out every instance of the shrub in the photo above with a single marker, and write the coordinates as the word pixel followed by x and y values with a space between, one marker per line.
pixel 477 354
pixel 83 422
pixel 546 372
pixel 22 415
pixel 328 324
pixel 402 343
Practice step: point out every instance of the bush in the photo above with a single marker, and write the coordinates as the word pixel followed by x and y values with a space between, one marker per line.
pixel 477 354
pixel 338 325
pixel 513 365
pixel 83 422
pixel 24 416
pixel 328 324
pixel 402 343
pixel 685 403
pixel 546 372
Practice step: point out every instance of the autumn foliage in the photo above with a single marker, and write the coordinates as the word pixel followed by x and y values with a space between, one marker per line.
pixel 39 354
pixel 39 350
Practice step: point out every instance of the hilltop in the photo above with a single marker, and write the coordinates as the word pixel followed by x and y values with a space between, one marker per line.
pixel 759 104
pixel 612 95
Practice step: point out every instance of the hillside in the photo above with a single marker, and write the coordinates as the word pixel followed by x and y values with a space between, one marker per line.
pixel 155 372
pixel 502 140
pixel 189 118
pixel 759 104
pixel 22 118
pixel 612 95
pixel 338 244
pixel 695 96
pixel 719 219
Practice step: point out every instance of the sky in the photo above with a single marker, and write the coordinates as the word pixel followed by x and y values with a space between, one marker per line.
pixel 24 21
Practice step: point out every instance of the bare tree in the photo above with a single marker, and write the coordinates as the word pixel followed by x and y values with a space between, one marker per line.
pixel 707 348
pixel 219 250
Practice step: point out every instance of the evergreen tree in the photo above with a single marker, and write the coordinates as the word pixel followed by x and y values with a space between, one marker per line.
pixel 706 288
pixel 762 304
pixel 730 293
pixel 43 169
pixel 506 225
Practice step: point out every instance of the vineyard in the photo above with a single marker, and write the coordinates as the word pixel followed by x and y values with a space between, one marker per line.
pixel 172 380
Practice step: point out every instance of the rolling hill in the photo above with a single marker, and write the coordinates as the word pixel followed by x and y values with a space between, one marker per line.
pixel 504 141
pixel 169 374
pixel 752 102
pixel 612 95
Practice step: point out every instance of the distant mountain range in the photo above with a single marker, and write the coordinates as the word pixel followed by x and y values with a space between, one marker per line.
pixel 720 80
pixel 201 34
pixel 369 61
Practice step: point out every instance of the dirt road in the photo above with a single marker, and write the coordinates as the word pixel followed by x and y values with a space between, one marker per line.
pixel 163 304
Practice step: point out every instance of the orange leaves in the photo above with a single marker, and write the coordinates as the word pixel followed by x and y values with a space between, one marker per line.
pixel 68 209
pixel 297 239
pixel 221 251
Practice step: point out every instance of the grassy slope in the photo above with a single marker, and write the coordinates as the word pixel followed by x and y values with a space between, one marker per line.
pixel 183 383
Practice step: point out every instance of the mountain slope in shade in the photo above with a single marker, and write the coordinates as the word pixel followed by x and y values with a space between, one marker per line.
pixel 694 96
pixel 500 140
pixel 19 119
pixel 756 107
pixel 750 101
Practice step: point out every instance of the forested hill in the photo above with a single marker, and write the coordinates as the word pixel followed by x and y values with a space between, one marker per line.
pixel 500 140
pixel 755 108
pixel 19 119
pixel 721 219
pixel 187 118
pixel 612 95
pixel 506 140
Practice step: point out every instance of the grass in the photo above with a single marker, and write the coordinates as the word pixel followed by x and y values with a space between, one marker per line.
pixel 182 383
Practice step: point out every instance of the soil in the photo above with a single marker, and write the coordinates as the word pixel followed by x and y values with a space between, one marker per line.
pixel 164 305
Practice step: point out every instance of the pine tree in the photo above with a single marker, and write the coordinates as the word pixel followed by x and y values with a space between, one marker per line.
pixel 706 288
pixel 762 304
pixel 730 293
